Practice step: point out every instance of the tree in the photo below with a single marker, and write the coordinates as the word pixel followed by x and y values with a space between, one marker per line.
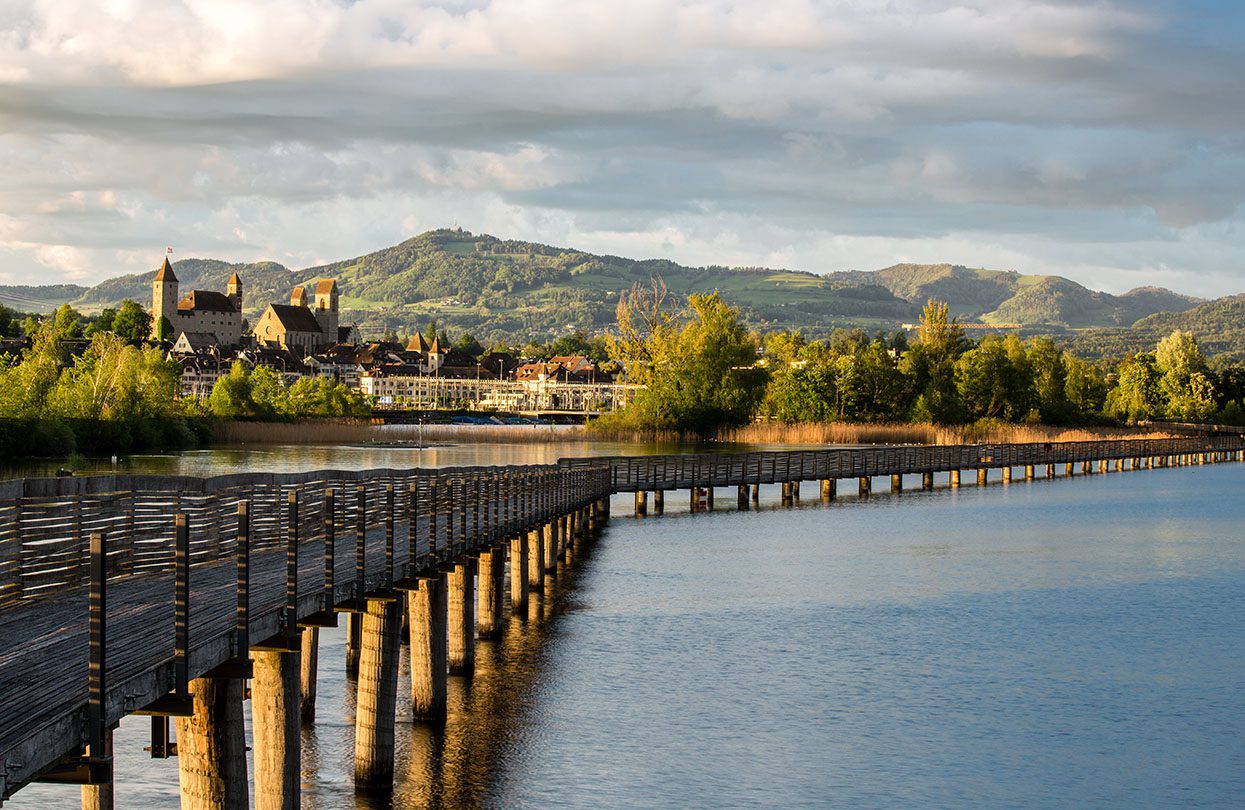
pixel 645 328
pixel 994 380
pixel 1136 392
pixel 1185 384
pixel 699 378
pixel 231 396
pixel 879 392
pixel 1050 381
pixel 930 364
pixel 1084 387
pixel 467 343
pixel 132 323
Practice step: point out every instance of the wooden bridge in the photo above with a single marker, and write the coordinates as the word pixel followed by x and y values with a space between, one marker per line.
pixel 163 595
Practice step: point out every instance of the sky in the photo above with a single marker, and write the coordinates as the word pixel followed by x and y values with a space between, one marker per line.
pixel 1102 141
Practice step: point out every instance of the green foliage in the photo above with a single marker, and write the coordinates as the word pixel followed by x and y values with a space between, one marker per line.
pixel 132 322
pixel 260 394
pixel 700 377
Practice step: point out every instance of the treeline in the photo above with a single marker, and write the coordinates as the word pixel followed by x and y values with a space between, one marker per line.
pixel 72 393
pixel 704 371
pixel 260 394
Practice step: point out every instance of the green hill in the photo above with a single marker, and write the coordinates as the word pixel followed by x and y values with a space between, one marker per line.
pixel 998 296
pixel 497 288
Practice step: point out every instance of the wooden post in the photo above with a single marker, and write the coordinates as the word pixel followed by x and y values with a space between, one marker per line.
pixel 307 673
pixel 741 499
pixel 276 727
pixel 785 497
pixel 377 696
pixel 428 624
pixel 211 748
pixel 1069 469
pixel 1007 475
pixel 492 582
pixel 955 479
pixel 100 797
pixel 550 550
pixel 535 560
pixel 1029 474
pixel 927 480
pixel 462 618
pixel 659 501
pixel 641 502
pixel 828 489
pixel 709 496
pixel 1050 470
pixel 866 486
pixel 896 483
pixel 982 476
pixel 354 640
pixel 518 576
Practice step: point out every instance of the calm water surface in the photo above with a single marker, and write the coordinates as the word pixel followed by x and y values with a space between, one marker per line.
pixel 1068 643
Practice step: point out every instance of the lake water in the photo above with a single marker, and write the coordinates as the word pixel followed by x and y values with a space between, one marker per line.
pixel 1066 643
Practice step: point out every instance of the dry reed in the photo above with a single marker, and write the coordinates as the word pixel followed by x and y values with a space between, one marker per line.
pixel 919 433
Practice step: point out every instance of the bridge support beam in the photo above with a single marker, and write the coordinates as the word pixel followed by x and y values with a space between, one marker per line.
pixel 828 487
pixel 741 498
pixel 659 501
pixel 786 493
pixel 100 797
pixel 492 581
pixel 1029 472
pixel 462 617
pixel 535 562
pixel 927 480
pixel 641 502
pixel 354 636
pixel 277 728
pixel 518 576
pixel 377 696
pixel 955 479
pixel 709 496
pixel 428 624
pixel 896 483
pixel 307 671
pixel 982 476
pixel 1069 469
pixel 866 486
pixel 550 551
pixel 1007 475
pixel 211 748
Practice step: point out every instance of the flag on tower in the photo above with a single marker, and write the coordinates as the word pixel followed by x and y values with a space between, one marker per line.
pixel 168 250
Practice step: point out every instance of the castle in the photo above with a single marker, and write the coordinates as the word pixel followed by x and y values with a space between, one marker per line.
pixel 210 318
pixel 199 312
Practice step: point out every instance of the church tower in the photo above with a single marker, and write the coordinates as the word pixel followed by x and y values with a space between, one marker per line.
pixel 326 308
pixel 234 291
pixel 164 299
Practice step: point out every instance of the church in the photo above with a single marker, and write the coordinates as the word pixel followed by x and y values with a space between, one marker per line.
pixel 199 312
pixel 298 326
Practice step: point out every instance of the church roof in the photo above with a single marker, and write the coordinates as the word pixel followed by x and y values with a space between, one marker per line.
pixel 205 301
pixel 325 286
pixel 234 279
pixel 295 319
pixel 417 344
pixel 165 273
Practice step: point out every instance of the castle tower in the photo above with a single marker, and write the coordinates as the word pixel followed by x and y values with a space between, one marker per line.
pixel 326 308
pixel 298 298
pixel 164 299
pixel 234 291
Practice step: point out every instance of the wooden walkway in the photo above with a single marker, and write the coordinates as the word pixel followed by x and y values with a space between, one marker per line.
pixel 263 553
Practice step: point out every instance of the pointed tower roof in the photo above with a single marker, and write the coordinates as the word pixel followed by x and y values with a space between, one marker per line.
pixel 234 279
pixel 165 273
pixel 417 344
pixel 436 346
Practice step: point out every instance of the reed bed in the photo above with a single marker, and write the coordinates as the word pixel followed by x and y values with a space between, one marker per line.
pixel 921 433
pixel 359 431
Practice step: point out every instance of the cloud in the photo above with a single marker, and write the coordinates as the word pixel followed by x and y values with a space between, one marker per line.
pixel 1099 140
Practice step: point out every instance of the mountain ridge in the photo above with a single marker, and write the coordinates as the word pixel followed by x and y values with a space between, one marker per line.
pixel 527 290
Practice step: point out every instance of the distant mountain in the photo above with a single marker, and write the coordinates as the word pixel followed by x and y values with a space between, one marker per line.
pixel 998 296
pixel 498 288
pixel 25 298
